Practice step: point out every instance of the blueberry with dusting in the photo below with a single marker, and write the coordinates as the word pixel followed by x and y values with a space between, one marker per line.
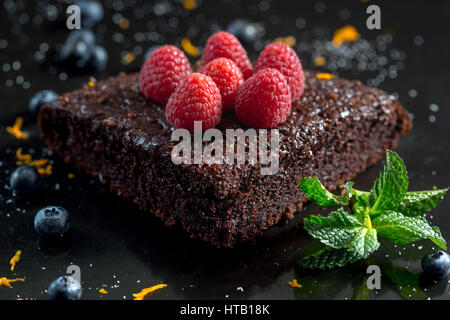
pixel 25 180
pixel 41 98
pixel 247 32
pixel 52 221
pixel 436 264
pixel 99 59
pixel 78 48
pixel 91 12
pixel 65 288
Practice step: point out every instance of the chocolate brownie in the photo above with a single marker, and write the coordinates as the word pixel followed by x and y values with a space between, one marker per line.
pixel 111 131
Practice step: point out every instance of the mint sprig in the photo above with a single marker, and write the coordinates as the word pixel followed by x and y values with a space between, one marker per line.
pixel 387 211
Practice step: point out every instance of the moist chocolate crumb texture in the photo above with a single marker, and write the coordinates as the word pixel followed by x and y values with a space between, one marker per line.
pixel 111 131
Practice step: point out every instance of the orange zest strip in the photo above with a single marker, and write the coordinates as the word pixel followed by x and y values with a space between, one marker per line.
pixel 294 284
pixel 15 259
pixel 189 48
pixel 324 76
pixel 5 282
pixel 147 291
pixel 289 40
pixel 42 166
pixel 103 291
pixel 189 4
pixel 319 61
pixel 128 58
pixel 345 34
pixel 16 131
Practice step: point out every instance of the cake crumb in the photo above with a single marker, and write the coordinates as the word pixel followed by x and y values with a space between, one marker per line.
pixel 16 130
pixel 294 284
pixel 103 291
pixel 15 259
pixel 146 291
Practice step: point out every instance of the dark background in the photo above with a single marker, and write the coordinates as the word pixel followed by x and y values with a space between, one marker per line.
pixel 122 249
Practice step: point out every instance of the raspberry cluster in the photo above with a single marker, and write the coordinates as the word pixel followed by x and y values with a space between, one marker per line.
pixel 261 95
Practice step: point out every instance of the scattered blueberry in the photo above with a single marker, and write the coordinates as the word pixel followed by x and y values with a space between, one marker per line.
pixel 41 98
pixel 246 31
pixel 65 288
pixel 99 59
pixel 25 180
pixel 91 12
pixel 436 264
pixel 78 48
pixel 52 221
pixel 149 52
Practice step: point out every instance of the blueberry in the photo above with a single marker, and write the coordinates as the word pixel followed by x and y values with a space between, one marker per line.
pixel 52 221
pixel 99 59
pixel 65 288
pixel 41 98
pixel 246 31
pixel 25 180
pixel 78 48
pixel 150 51
pixel 436 264
pixel 91 12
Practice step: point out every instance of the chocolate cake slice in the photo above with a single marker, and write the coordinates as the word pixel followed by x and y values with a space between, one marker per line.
pixel 111 131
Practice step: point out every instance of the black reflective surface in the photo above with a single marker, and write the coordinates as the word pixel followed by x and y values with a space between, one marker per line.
pixel 121 248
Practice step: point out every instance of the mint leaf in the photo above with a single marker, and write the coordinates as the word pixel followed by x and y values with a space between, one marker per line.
pixel 418 202
pixel 360 291
pixel 365 242
pixel 316 192
pixel 406 282
pixel 403 229
pixel 389 190
pixel 323 257
pixel 343 230
pixel 360 212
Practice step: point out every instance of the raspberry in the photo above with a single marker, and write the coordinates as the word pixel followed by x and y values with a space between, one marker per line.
pixel 283 58
pixel 227 76
pixel 196 98
pixel 224 45
pixel 264 100
pixel 162 72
